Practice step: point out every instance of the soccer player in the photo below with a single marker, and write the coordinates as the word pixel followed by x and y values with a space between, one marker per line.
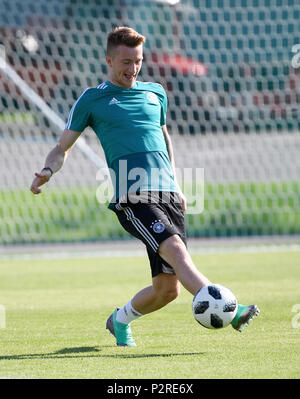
pixel 129 118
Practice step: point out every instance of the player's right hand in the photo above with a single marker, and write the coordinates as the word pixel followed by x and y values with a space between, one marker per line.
pixel 40 179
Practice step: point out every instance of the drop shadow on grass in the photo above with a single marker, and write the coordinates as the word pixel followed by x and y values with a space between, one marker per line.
pixel 71 353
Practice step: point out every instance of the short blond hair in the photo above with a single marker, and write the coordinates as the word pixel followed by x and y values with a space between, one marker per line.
pixel 123 35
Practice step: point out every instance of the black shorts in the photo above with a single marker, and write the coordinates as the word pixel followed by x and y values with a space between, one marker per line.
pixel 152 222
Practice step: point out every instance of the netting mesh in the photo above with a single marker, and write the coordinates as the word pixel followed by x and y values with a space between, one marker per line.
pixel 233 110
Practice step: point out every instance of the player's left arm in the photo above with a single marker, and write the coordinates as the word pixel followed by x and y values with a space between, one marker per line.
pixel 172 160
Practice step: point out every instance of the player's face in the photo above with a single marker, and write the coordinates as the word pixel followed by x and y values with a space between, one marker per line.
pixel 125 64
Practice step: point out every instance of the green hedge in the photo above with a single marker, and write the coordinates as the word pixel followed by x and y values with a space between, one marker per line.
pixel 230 209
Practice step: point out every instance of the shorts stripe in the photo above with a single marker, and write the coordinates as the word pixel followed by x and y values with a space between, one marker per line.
pixel 141 228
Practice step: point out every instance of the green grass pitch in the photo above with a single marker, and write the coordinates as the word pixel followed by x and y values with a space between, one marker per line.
pixel 55 314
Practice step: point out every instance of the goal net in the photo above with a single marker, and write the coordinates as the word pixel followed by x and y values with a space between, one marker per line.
pixel 231 73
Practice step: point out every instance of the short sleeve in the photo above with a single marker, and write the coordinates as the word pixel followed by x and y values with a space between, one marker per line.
pixel 79 115
pixel 163 114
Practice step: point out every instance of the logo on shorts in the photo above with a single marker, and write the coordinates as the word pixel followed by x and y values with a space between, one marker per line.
pixel 157 226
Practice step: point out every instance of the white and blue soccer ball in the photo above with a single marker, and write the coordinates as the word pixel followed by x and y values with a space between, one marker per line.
pixel 214 306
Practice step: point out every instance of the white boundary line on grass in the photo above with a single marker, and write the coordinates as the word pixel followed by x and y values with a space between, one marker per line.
pixel 142 253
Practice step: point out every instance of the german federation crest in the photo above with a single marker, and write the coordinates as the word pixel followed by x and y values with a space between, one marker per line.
pixel 152 97
pixel 157 226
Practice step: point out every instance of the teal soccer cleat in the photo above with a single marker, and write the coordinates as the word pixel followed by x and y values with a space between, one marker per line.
pixel 122 332
pixel 243 316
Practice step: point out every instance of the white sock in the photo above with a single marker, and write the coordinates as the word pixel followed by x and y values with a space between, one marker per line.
pixel 127 314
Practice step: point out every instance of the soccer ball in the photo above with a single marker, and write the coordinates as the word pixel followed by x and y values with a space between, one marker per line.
pixel 214 306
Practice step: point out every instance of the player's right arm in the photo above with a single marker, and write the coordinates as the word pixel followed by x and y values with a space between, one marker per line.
pixel 55 159
pixel 78 120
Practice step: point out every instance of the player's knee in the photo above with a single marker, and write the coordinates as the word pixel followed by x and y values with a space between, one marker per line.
pixel 169 294
pixel 173 293
pixel 167 287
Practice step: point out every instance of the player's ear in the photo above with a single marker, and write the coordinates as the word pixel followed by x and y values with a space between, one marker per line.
pixel 108 60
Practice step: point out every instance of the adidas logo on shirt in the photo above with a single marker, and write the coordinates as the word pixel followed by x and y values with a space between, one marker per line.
pixel 103 86
pixel 113 101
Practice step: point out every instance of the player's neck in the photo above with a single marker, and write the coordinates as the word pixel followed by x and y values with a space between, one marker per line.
pixel 118 84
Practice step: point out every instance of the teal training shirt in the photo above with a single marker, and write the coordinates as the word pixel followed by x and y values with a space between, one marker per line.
pixel 128 125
